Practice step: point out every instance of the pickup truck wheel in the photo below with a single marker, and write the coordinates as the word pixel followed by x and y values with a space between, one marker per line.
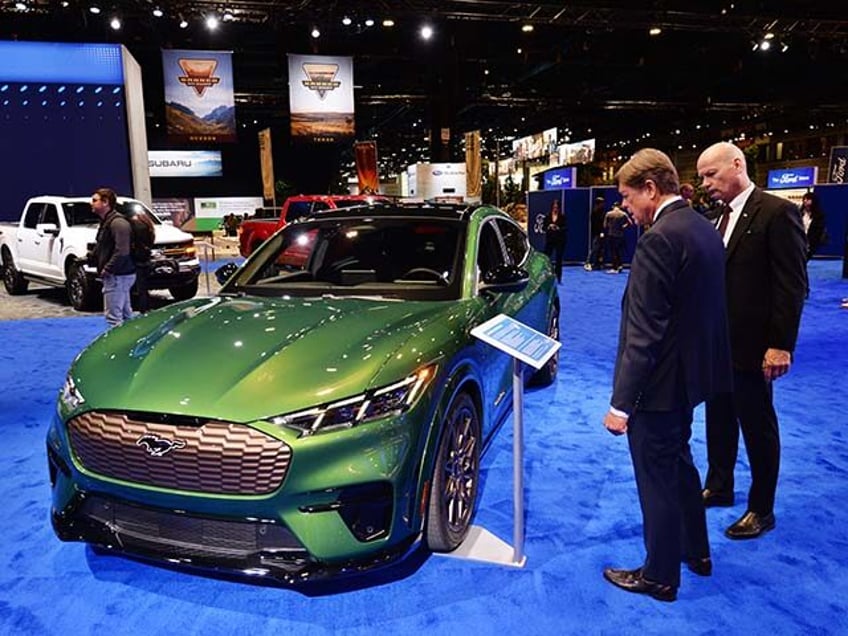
pixel 185 292
pixel 13 280
pixel 81 289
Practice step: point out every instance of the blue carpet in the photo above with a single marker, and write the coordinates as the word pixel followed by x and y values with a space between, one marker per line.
pixel 581 515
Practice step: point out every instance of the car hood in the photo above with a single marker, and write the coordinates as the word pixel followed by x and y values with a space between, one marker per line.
pixel 166 233
pixel 243 359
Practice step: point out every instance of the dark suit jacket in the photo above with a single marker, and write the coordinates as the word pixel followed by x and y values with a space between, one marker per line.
pixel 673 342
pixel 555 231
pixel 766 280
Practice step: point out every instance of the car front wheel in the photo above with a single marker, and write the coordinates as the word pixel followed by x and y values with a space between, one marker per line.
pixel 455 479
pixel 185 292
pixel 82 292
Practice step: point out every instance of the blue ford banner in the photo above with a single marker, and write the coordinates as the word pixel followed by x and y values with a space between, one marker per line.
pixel 559 178
pixel 804 177
pixel 838 170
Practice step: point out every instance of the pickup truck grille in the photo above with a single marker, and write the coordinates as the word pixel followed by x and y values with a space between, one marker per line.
pixel 176 251
pixel 215 457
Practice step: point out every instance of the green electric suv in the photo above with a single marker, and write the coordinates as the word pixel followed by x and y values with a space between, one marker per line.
pixel 324 413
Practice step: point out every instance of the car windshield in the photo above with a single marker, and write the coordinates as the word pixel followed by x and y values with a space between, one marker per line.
pixel 80 212
pixel 395 257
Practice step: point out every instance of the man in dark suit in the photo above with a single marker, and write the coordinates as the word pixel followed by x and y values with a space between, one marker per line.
pixel 766 284
pixel 673 353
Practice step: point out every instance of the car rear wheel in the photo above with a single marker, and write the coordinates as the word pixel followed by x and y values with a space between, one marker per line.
pixel 13 280
pixel 185 292
pixel 456 476
pixel 547 374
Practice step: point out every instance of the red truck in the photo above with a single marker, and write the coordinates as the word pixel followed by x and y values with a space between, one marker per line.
pixel 254 231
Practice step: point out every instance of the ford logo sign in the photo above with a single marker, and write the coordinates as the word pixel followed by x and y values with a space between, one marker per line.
pixel 436 173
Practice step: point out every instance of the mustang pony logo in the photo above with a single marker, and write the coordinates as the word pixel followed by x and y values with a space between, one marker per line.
pixel 198 74
pixel 157 446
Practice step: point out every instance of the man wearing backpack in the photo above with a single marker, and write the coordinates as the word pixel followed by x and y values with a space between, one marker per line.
pixel 112 257
pixel 143 238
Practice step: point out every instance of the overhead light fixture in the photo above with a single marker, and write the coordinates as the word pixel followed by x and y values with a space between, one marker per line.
pixel 315 33
pixel 212 22
pixel 183 23
pixel 388 22
pixel 21 6
pixel 765 45
pixel 115 23
pixel 784 47
pixel 426 32
pixel 346 21
pixel 158 12
pixel 527 28
pixel 768 36
pixel 228 16
pixel 654 31
pixel 94 9
pixel 369 22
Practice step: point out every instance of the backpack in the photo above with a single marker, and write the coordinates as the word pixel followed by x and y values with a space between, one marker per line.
pixel 141 239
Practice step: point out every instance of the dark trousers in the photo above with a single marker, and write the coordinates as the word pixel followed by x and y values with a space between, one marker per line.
pixel 675 524
pixel 616 248
pixel 554 250
pixel 750 408
pixel 142 271
pixel 596 252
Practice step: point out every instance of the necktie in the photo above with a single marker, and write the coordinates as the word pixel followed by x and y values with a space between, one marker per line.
pixel 725 217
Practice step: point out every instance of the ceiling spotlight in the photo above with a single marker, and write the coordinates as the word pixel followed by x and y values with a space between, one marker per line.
pixel 212 22
pixel 426 32
pixel 784 47
pixel 115 23
pixel 768 36
pixel 315 33
pixel 388 22
pixel 183 23
pixel 94 9
pixel 346 21
pixel 369 22
pixel 158 12
pixel 654 30
pixel 228 16
pixel 21 6
pixel 527 28
pixel 765 45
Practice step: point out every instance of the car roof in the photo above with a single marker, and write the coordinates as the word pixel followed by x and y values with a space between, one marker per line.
pixel 447 211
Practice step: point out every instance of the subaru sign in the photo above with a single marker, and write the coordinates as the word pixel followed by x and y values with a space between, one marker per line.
pixel 559 178
pixel 792 178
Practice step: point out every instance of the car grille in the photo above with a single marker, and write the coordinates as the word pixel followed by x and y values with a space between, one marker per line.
pixel 185 536
pixel 214 457
pixel 176 251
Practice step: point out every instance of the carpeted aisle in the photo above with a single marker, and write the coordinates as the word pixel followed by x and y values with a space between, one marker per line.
pixel 582 514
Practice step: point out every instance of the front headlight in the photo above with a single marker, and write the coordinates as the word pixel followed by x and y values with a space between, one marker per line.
pixel 70 395
pixel 391 399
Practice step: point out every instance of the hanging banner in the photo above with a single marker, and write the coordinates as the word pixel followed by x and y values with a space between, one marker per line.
pixel 266 162
pixel 838 170
pixel 366 167
pixel 473 166
pixel 199 101
pixel 321 98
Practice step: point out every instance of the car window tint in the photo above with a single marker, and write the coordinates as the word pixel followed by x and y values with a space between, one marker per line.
pixel 33 214
pixel 515 241
pixel 50 215
pixel 80 213
pixel 489 253
pixel 297 210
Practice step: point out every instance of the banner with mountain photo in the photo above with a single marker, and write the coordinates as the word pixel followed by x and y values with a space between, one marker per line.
pixel 199 102
pixel 321 98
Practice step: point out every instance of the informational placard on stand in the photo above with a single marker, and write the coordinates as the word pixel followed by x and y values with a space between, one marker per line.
pixel 526 346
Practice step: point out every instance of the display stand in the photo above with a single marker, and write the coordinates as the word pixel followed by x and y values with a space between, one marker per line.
pixel 529 346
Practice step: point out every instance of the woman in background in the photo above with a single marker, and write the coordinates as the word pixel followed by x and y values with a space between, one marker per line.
pixel 555 237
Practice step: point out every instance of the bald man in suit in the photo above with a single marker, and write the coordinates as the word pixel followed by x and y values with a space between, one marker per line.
pixel 766 284
pixel 673 353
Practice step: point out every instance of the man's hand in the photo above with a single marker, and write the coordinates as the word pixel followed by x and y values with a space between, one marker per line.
pixel 776 363
pixel 615 424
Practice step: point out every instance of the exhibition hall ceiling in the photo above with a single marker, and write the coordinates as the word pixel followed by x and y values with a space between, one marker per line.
pixel 590 68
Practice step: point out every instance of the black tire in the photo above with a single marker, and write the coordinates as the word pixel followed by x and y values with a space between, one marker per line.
pixel 83 292
pixel 185 292
pixel 547 374
pixel 456 474
pixel 13 280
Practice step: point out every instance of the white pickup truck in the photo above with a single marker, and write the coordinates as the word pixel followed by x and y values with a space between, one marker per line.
pixel 50 243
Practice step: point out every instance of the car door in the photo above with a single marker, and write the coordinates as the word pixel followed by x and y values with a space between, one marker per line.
pixel 52 244
pixel 33 248
pixel 530 305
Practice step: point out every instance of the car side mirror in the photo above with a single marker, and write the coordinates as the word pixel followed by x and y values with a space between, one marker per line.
pixel 47 228
pixel 505 278
pixel 224 272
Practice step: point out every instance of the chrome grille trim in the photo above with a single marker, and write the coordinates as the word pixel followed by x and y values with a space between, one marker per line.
pixel 217 458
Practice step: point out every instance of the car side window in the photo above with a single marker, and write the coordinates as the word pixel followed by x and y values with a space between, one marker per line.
pixel 489 252
pixel 33 215
pixel 50 215
pixel 515 241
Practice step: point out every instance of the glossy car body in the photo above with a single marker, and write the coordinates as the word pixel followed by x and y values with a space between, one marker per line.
pixel 318 416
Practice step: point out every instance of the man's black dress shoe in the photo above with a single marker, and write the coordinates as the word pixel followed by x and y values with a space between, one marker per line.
pixel 713 499
pixel 701 567
pixel 633 581
pixel 750 526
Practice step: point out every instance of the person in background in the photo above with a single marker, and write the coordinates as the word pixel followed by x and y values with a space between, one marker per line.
pixel 687 192
pixel 556 234
pixel 144 237
pixel 812 218
pixel 112 257
pixel 766 284
pixel 595 259
pixel 615 222
pixel 673 353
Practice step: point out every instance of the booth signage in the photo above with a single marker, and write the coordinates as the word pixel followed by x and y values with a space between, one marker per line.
pixel 838 170
pixel 560 178
pixel 792 178
pixel 184 163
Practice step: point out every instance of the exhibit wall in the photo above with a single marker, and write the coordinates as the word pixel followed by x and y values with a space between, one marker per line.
pixel 64 122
